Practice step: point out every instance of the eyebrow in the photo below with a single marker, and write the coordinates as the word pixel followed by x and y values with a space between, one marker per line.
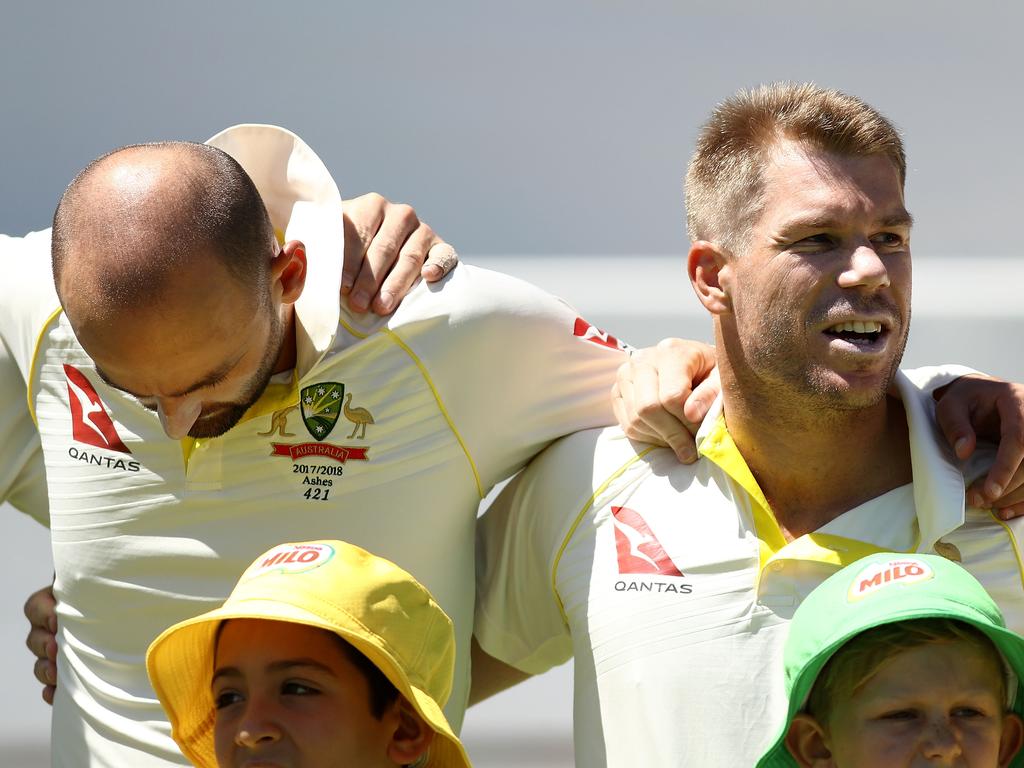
pixel 277 666
pixel 899 219
pixel 211 378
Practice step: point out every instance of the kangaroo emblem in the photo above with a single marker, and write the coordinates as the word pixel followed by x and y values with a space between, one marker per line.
pixel 279 423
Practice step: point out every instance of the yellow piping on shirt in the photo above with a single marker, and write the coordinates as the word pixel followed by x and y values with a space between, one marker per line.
pixel 579 518
pixel 719 447
pixel 437 398
pixel 32 364
pixel 350 329
pixel 1013 543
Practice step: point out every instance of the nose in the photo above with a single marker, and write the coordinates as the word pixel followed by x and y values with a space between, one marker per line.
pixel 866 269
pixel 940 743
pixel 177 415
pixel 256 727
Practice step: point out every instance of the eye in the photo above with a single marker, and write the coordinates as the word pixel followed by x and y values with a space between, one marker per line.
pixel 899 715
pixel 819 241
pixel 968 712
pixel 296 688
pixel 226 699
pixel 888 240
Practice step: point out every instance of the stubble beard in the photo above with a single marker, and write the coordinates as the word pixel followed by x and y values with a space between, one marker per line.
pixel 799 382
pixel 227 415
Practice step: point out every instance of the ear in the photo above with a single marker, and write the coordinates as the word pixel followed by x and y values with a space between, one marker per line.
pixel 806 742
pixel 1011 739
pixel 706 264
pixel 288 272
pixel 411 738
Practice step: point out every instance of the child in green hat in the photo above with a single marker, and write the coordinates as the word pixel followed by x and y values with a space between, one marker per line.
pixel 901 660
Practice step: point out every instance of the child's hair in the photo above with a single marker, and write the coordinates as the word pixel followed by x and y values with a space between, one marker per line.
pixel 382 691
pixel 859 659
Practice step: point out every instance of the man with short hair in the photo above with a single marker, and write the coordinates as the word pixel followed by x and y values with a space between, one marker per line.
pixel 672 585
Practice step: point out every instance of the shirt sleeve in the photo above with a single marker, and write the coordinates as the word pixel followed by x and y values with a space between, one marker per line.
pixel 516 368
pixel 25 303
pixel 932 377
pixel 519 617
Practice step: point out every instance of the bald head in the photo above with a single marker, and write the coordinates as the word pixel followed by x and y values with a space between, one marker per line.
pixel 137 218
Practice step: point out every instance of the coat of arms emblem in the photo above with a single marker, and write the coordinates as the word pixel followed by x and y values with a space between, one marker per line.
pixel 321 406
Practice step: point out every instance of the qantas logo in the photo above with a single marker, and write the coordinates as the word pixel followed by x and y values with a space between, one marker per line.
pixel 90 423
pixel 588 332
pixel 638 549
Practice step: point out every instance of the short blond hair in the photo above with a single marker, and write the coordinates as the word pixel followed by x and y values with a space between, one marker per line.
pixel 724 182
pixel 858 660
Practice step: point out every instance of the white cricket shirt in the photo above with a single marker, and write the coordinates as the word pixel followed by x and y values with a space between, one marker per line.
pixel 672 585
pixel 455 391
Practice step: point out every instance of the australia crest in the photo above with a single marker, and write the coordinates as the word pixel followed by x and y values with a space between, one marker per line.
pixel 321 405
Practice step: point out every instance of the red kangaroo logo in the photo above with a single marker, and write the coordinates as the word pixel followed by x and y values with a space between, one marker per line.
pixel 90 423
pixel 638 548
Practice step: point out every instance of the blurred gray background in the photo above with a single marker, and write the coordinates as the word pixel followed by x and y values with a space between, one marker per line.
pixel 545 139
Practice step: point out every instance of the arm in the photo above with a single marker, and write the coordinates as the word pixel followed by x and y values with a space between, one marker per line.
pixel 387 248
pixel 490 676
pixel 662 394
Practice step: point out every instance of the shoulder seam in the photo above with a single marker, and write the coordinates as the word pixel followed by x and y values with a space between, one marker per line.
pixel 1013 544
pixel 32 363
pixel 440 404
pixel 575 524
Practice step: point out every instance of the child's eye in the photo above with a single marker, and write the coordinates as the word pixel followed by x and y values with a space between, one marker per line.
pixel 295 688
pixel 968 712
pixel 226 699
pixel 899 714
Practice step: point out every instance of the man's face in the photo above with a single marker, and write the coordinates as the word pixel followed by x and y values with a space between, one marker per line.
pixel 286 695
pixel 933 705
pixel 199 357
pixel 821 295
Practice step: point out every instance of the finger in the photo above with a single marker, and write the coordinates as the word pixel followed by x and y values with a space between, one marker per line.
pixel 399 223
pixel 701 399
pixel 954 419
pixel 441 260
pixel 1009 454
pixel 1011 512
pixel 623 404
pixel 405 270
pixel 48 693
pixel 41 609
pixel 362 218
pixel 45 671
pixel 42 643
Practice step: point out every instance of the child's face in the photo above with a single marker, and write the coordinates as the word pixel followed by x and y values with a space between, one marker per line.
pixel 933 705
pixel 288 696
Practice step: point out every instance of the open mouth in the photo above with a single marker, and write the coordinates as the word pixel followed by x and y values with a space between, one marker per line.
pixel 864 333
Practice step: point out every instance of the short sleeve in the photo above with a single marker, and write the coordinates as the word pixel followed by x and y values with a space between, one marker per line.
pixel 519 615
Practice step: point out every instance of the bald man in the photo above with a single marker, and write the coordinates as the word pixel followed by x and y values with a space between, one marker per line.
pixel 200 397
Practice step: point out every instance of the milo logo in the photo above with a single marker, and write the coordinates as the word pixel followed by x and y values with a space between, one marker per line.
pixel 291 558
pixel 878 575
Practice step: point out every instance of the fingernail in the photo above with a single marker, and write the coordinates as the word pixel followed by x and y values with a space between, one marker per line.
pixel 432 272
pixel 360 300
pixel 386 301
pixel 993 490
pixel 960 446
pixel 52 624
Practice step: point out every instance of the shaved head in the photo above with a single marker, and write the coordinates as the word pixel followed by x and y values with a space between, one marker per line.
pixel 134 218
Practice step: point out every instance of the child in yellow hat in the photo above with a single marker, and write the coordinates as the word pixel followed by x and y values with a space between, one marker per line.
pixel 322 655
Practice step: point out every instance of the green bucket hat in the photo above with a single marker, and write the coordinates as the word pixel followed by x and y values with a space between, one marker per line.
pixel 882 589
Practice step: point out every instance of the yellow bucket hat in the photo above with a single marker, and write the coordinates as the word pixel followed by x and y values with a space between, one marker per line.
pixel 370 602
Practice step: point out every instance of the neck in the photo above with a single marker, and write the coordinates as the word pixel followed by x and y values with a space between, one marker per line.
pixel 814 463
pixel 286 356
